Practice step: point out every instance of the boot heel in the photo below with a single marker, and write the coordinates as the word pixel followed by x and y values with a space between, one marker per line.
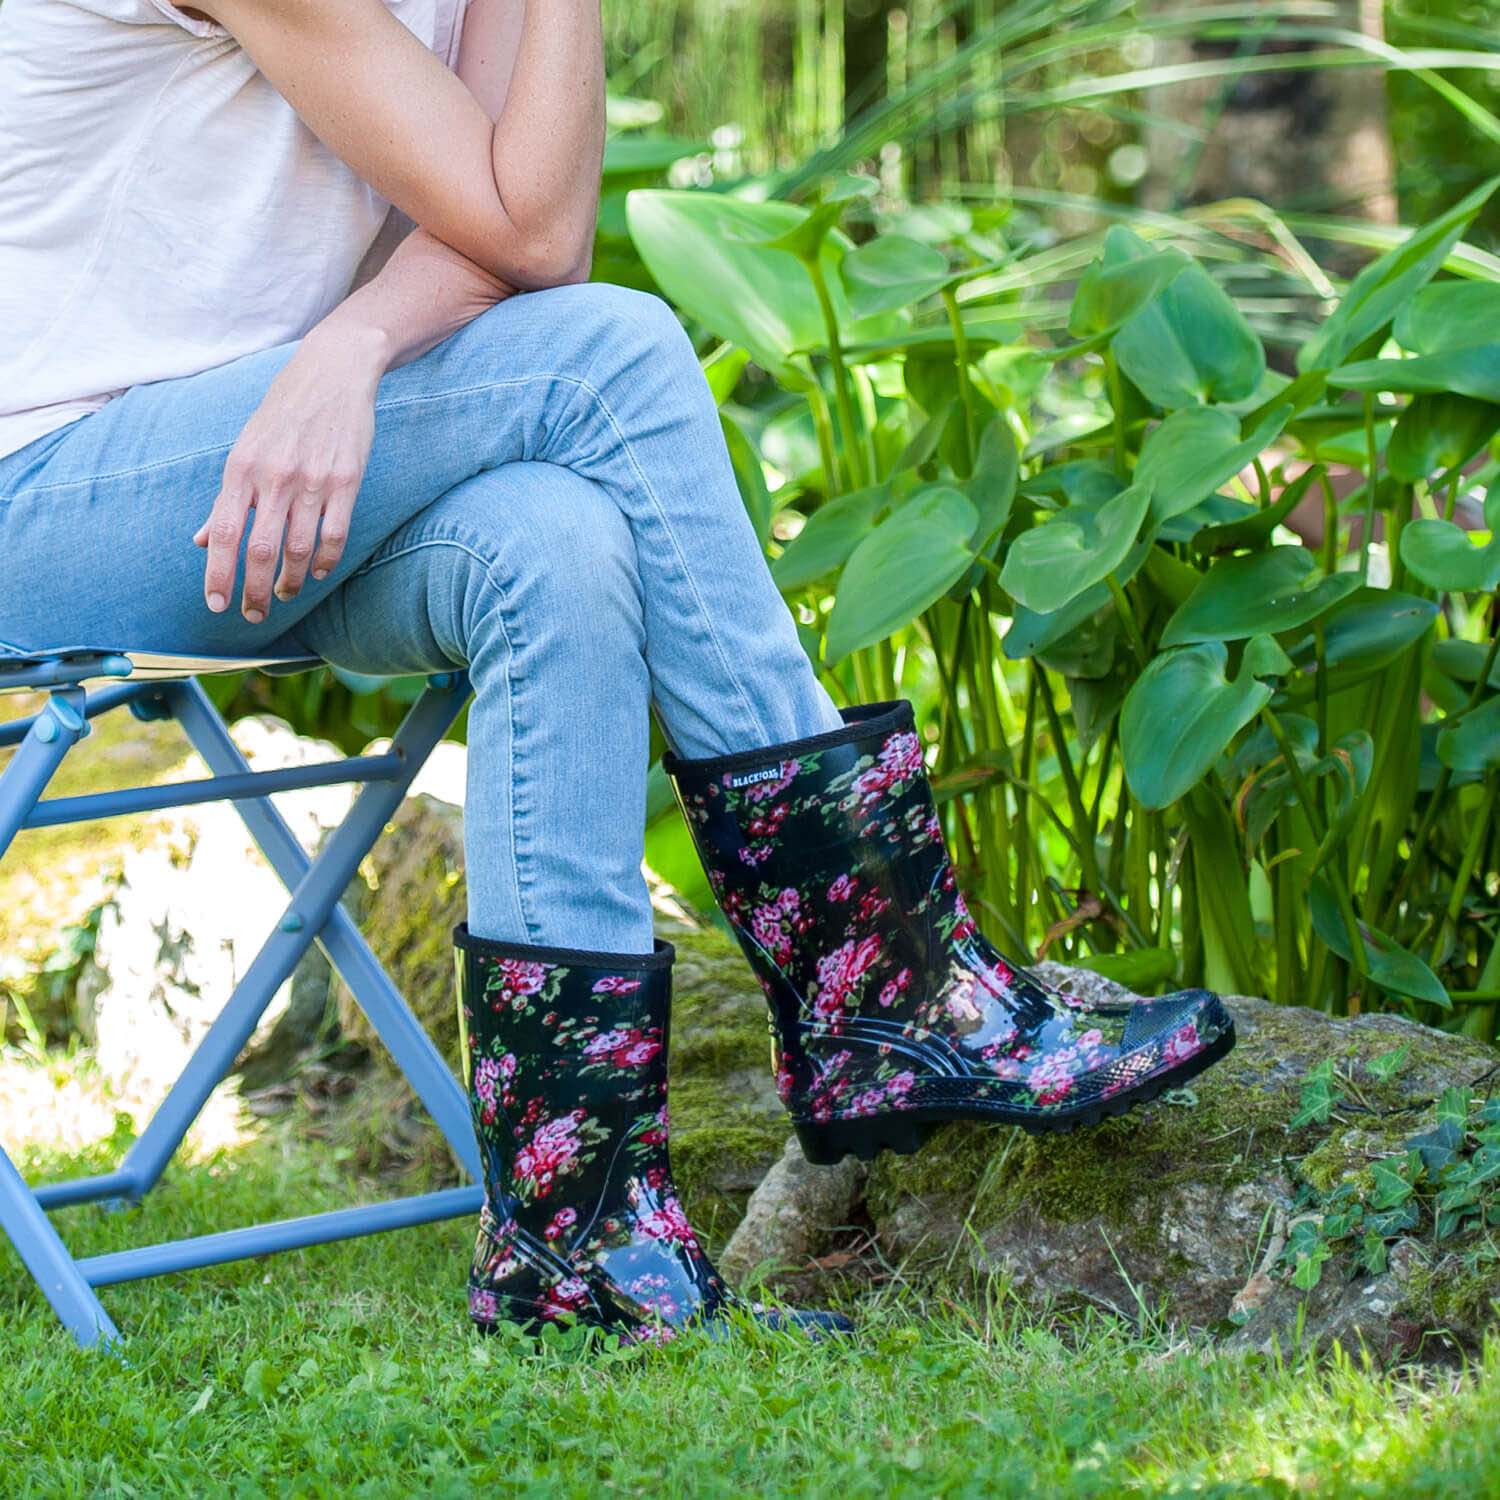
pixel 827 1143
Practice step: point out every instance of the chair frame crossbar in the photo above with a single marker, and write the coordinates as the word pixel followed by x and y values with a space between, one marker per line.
pixel 314 913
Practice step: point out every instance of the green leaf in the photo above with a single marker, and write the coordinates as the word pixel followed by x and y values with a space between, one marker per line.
pixel 1253 526
pixel 1364 632
pixel 1196 450
pixel 1386 1065
pixel 1139 970
pixel 759 298
pixel 1453 1106
pixel 901 568
pixel 262 1380
pixel 1257 592
pixel 1318 1097
pixel 1084 481
pixel 1394 1180
pixel 1309 1268
pixel 992 485
pixel 828 536
pixel 1386 285
pixel 891 272
pixel 1053 563
pixel 750 476
pixel 1468 372
pixel 1438 1146
pixel 1473 743
pixel 1191 345
pixel 1389 965
pixel 1449 315
pixel 1437 432
pixel 1445 557
pixel 1126 276
pixel 1181 715
pixel 1031 633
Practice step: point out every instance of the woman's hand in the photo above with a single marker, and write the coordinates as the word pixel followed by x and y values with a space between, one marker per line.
pixel 299 461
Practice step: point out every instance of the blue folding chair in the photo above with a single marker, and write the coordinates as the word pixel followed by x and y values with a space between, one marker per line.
pixel 82 684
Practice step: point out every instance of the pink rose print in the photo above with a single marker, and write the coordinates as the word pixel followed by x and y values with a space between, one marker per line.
pixel 656 1134
pixel 562 1221
pixel 486 1075
pixel 483 1306
pixel 760 791
pixel 567 1296
pixel 623 1047
pixel 1182 1044
pixel 655 1292
pixel 550 1151
pixel 892 989
pixel 513 979
pixel 841 889
pixel 839 974
pixel 615 984
pixel 668 1222
pixel 785 1083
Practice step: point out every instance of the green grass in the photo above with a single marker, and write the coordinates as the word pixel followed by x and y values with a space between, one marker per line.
pixel 350 1370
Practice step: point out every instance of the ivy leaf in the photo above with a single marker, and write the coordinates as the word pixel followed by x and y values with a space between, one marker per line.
pixel 1395 1180
pixel 1439 1146
pixel 1319 1097
pixel 1372 1253
pixel 1385 1067
pixel 1453 1106
pixel 1309 1270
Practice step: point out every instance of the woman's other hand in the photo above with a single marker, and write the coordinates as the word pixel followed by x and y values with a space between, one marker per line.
pixel 299 462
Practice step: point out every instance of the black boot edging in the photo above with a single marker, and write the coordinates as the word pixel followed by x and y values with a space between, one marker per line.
pixel 564 1057
pixel 891 1012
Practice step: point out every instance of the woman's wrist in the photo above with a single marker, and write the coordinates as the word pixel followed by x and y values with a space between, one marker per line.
pixel 361 349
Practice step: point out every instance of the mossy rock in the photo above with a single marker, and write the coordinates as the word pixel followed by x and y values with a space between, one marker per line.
pixel 1173 1205
pixel 728 1125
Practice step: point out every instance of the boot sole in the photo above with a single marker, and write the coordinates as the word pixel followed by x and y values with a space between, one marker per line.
pixel 826 1143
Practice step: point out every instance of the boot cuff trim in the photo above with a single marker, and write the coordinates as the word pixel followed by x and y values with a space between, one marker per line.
pixel 615 963
pixel 861 720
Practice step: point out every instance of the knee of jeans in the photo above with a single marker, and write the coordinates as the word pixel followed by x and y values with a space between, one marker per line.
pixel 640 327
pixel 562 563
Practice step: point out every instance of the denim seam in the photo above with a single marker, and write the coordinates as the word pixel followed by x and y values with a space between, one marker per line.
pixel 661 515
pixel 523 878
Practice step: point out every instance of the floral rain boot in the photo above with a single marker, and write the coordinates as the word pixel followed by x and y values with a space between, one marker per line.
pixel 890 1011
pixel 565 1061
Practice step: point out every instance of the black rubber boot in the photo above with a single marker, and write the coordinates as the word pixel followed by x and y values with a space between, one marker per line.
pixel 565 1061
pixel 891 1012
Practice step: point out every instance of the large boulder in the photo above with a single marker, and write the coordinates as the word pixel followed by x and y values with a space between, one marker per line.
pixel 1190 1207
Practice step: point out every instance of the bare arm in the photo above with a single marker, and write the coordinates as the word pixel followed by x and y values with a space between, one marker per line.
pixel 427 289
pixel 301 458
pixel 515 191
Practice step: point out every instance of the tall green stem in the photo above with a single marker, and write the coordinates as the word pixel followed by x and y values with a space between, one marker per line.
pixel 965 389
pixel 854 451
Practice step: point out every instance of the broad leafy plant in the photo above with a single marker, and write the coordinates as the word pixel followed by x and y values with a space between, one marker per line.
pixel 1173 739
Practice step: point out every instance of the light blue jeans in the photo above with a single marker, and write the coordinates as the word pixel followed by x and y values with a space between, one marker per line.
pixel 548 502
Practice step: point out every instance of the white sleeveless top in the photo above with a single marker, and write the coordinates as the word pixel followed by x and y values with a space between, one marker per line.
pixel 163 210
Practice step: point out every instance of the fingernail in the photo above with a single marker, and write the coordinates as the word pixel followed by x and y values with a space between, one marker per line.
pixel 216 602
pixel 320 574
pixel 254 616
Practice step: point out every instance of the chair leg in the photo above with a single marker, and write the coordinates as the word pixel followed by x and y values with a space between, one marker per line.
pixel 348 952
pixel 314 912
pixel 47 1258
pixel 55 730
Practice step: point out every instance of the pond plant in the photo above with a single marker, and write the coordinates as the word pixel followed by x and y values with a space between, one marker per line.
pixel 1174 741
